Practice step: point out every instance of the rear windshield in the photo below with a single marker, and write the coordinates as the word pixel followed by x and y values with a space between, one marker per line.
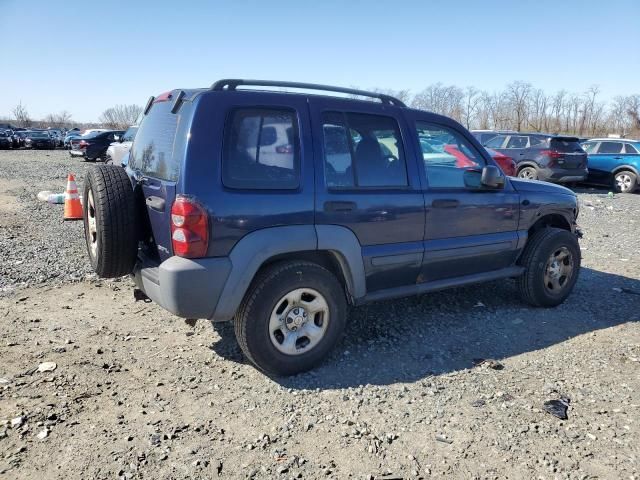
pixel 566 144
pixel 152 150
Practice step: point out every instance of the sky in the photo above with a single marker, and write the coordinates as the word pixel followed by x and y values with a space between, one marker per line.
pixel 87 56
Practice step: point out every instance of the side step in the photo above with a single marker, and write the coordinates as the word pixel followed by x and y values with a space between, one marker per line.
pixel 410 290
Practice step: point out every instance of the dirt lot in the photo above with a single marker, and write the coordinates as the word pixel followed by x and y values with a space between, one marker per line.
pixel 137 393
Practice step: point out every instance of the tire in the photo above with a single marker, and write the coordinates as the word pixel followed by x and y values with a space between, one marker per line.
pixel 545 283
pixel 110 221
pixel 625 181
pixel 265 306
pixel 528 173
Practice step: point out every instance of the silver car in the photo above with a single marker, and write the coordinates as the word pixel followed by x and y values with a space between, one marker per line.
pixel 118 150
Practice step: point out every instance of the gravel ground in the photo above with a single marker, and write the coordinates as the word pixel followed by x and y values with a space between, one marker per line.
pixel 137 393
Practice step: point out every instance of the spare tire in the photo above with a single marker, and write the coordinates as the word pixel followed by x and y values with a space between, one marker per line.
pixel 110 226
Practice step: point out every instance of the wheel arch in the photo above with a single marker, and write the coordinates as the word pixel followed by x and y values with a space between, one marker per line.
pixel 555 220
pixel 624 167
pixel 335 248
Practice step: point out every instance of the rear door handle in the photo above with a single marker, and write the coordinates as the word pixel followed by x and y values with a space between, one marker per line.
pixel 155 203
pixel 339 206
pixel 617 158
pixel 445 203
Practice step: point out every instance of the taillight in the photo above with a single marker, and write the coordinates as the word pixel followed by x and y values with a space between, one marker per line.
pixel 288 148
pixel 553 156
pixel 83 144
pixel 189 228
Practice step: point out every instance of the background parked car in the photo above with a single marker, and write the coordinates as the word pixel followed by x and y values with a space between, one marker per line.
pixel 539 156
pixel 39 139
pixel 118 149
pixel 5 139
pixel 69 136
pixel 93 146
pixel 506 163
pixel 483 136
pixel 613 162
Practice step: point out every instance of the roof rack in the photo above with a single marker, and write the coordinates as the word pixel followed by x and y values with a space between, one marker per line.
pixel 232 84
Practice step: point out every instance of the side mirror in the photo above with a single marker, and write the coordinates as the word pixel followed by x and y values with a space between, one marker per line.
pixel 116 138
pixel 492 177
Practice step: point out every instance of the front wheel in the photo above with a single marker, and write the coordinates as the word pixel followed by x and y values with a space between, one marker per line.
pixel 291 317
pixel 551 260
pixel 625 182
pixel 528 173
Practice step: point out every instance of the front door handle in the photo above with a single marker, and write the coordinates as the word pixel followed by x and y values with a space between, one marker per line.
pixel 155 203
pixel 339 206
pixel 445 203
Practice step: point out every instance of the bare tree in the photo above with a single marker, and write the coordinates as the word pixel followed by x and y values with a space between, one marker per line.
pixel 58 120
pixel 21 115
pixel 442 99
pixel 120 116
pixel 472 102
pixel 518 96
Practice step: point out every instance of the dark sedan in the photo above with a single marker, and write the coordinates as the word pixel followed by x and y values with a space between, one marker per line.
pixel 40 140
pixel 5 139
pixel 93 146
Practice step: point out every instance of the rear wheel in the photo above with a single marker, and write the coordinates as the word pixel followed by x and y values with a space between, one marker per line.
pixel 291 317
pixel 551 260
pixel 528 173
pixel 625 182
pixel 110 221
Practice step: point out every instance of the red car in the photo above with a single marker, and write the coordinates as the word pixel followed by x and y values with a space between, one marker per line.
pixel 506 164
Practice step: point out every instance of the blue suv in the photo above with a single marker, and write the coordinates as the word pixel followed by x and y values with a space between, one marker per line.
pixel 277 210
pixel 614 163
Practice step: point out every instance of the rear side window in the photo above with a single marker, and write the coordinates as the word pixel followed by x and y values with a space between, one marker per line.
pixel 589 147
pixel 261 149
pixel 628 148
pixel 610 147
pixel 566 145
pixel 362 150
pixel 152 150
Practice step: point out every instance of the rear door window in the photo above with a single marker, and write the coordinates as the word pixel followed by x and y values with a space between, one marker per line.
pixel 261 149
pixel 152 150
pixel 610 147
pixel 518 141
pixel 495 142
pixel 536 142
pixel 362 150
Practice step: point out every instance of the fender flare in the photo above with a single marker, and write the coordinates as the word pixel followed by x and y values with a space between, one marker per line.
pixel 346 248
pixel 526 163
pixel 251 252
pixel 257 247
pixel 626 167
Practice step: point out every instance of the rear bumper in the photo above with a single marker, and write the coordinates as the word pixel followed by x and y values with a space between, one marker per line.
pixel 185 287
pixel 562 175
pixel 77 153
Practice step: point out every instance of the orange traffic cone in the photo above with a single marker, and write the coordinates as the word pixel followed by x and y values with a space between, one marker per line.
pixel 72 205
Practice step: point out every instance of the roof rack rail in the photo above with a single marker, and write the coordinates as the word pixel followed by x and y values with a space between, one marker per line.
pixel 233 83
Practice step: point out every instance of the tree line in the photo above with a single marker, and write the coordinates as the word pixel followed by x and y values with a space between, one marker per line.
pixel 522 107
pixel 118 117
pixel 519 106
